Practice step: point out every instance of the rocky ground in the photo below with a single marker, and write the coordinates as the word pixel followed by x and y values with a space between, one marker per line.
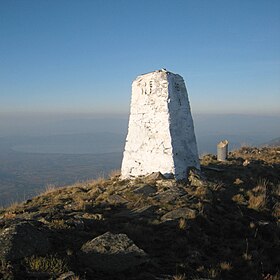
pixel 221 224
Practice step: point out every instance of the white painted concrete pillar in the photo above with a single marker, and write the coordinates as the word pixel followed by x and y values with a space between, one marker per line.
pixel 160 132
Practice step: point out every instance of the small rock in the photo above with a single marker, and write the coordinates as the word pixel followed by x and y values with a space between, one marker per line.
pixel 246 162
pixel 96 216
pixel 155 176
pixel 76 223
pixel 184 212
pixel 112 253
pixel 145 190
pixel 162 184
pixel 170 195
pixel 116 199
pixel 145 211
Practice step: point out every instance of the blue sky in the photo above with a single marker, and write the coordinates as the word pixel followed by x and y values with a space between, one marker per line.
pixel 81 56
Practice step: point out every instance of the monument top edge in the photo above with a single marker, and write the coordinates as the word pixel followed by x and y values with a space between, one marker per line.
pixel 157 71
pixel 162 70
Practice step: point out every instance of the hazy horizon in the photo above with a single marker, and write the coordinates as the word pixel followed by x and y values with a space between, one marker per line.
pixel 245 129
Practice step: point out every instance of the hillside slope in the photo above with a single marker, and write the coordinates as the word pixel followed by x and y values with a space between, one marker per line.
pixel 222 224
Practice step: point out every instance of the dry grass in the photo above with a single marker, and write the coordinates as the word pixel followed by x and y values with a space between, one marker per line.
pixel 179 277
pixel 276 210
pixel 115 173
pixel 213 273
pixel 258 195
pixel 276 190
pixel 14 206
pixel 49 189
pixel 201 268
pixel 239 199
pixel 200 192
pixel 6 268
pixel 182 225
pixel 203 193
pixel 226 266
pixel 238 181
pixel 217 186
pixel 247 257
pixel 100 180
pixel 200 208
pixel 207 158
pixel 80 203
pixel 9 215
pixel 257 202
pixel 262 184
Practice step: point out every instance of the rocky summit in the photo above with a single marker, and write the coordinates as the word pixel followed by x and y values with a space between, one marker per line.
pixel 221 223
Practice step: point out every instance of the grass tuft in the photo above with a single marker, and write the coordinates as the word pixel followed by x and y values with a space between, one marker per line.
pixel 226 266
pixel 49 189
pixel 182 224
pixel 51 264
pixel 258 195
pixel 179 277
pixel 115 174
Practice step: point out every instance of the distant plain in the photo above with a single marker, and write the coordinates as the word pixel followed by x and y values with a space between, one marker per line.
pixel 37 153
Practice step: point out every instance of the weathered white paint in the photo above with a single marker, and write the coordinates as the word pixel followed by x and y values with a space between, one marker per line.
pixel 160 132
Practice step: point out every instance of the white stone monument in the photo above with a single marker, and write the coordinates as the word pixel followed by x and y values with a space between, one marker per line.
pixel 160 132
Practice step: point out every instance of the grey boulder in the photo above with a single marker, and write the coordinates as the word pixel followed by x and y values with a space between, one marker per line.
pixel 112 253
pixel 21 240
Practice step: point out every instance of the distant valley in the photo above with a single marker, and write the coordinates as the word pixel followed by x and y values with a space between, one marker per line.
pixel 62 153
pixel 29 165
